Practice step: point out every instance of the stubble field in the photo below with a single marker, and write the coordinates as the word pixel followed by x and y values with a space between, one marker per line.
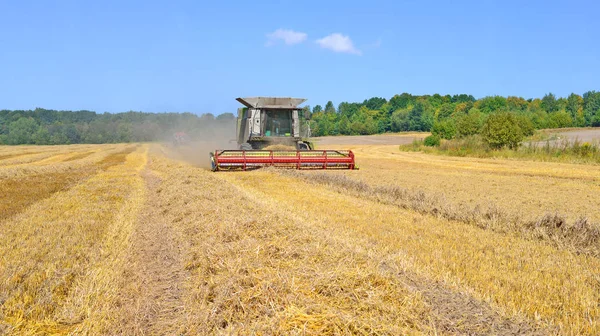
pixel 125 239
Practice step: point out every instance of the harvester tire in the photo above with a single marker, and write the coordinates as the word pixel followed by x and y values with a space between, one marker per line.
pixel 213 164
pixel 302 146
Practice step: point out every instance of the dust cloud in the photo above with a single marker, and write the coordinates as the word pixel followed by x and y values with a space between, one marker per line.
pixel 200 140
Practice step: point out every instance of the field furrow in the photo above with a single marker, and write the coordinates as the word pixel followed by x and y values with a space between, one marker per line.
pixel 152 287
pixel 48 250
pixel 17 193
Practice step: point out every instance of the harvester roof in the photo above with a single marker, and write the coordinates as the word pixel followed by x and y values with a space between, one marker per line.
pixel 271 102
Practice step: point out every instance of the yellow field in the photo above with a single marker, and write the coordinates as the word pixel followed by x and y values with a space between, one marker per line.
pixel 531 188
pixel 122 239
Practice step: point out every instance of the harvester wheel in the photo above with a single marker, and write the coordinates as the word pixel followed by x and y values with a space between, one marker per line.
pixel 302 146
pixel 213 164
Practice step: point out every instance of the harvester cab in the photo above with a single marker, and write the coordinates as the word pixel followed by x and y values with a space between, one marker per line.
pixel 269 134
pixel 270 121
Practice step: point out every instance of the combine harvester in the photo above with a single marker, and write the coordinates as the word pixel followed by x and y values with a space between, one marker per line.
pixel 268 134
pixel 180 138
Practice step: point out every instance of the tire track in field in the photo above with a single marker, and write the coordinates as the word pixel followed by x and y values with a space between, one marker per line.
pixel 153 301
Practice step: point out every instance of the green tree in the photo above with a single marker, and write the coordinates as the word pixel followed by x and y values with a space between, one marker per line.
pixel 591 101
pixel 327 123
pixel 445 129
pixel 535 105
pixel 314 128
pixel 491 104
pixel 463 98
pixel 21 132
pixel 432 140
pixel 401 101
pixel 516 103
pixel 384 118
pixel 468 124
pixel 374 103
pixel 526 125
pixel 371 126
pixel 561 119
pixel 329 108
pixel 539 118
pixel 123 133
pixel 549 103
pixel 58 138
pixel 435 100
pixel 445 111
pixel 462 107
pixel 502 129
pixel 348 109
pixel 421 117
pixel 72 134
pixel 561 104
pixel 317 109
pixel 344 125
pixel 400 119
pixel 358 120
pixel 574 105
pixel 41 136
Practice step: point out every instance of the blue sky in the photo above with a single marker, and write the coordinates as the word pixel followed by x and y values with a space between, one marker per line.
pixel 197 56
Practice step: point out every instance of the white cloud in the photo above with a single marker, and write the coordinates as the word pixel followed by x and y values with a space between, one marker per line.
pixel 288 37
pixel 338 43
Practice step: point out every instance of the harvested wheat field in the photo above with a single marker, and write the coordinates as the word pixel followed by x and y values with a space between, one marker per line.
pixel 124 239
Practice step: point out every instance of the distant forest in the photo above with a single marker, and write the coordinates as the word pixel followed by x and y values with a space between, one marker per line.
pixel 404 112
pixel 50 127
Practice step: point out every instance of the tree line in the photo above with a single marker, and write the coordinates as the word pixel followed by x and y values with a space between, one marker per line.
pixel 452 116
pixel 445 116
pixel 51 127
